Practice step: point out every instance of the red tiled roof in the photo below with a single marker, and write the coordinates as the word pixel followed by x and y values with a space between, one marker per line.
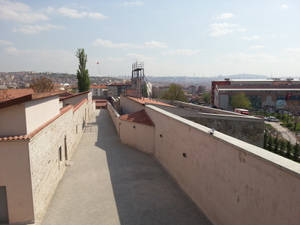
pixel 9 94
pixel 99 86
pixel 11 97
pixel 138 117
pixel 148 101
pixel 73 95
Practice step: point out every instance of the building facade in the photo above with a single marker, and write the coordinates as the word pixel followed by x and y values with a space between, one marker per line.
pixel 269 95
pixel 38 136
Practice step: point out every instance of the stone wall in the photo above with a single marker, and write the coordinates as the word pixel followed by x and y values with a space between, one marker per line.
pixel 233 182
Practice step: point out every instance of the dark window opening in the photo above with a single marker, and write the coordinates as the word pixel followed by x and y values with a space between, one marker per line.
pixel 66 148
pixel 3 206
pixel 184 155
pixel 60 154
pixel 76 129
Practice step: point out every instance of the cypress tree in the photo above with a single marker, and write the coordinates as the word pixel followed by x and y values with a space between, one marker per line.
pixel 82 72
pixel 282 147
pixel 270 143
pixel 276 145
pixel 265 140
pixel 296 152
pixel 289 149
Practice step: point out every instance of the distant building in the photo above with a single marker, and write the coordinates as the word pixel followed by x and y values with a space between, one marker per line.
pixel 158 91
pixel 99 91
pixel 263 94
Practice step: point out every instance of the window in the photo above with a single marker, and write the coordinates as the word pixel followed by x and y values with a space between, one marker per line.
pixel 76 129
pixel 60 153
pixel 66 148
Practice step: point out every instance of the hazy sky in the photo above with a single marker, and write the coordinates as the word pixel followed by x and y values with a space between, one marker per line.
pixel 172 37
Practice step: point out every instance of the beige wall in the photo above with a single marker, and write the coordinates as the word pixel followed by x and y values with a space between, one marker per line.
pixel 15 175
pixel 12 120
pixel 130 106
pixel 40 111
pixel 137 135
pixel 233 182
pixel 114 116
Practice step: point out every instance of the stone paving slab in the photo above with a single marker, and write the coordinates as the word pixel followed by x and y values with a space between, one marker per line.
pixel 112 184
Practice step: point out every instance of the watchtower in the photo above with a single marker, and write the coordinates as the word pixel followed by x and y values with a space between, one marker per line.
pixel 137 77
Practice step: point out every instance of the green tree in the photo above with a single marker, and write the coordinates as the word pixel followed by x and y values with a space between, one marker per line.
pixel 270 143
pixel 289 149
pixel 175 92
pixel 82 72
pixel 276 145
pixel 240 101
pixel 296 152
pixel 282 147
pixel 265 140
pixel 206 97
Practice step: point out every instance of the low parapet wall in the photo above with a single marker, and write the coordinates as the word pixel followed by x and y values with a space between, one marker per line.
pixel 232 181
pixel 136 135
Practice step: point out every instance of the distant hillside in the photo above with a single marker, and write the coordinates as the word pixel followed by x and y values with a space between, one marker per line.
pixel 206 81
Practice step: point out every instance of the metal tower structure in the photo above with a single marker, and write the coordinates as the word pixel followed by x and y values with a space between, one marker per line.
pixel 137 77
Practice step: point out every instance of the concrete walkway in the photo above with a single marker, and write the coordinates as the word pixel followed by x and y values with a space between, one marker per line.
pixel 285 132
pixel 110 183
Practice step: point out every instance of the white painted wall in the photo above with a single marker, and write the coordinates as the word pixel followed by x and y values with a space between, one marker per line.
pixel 114 116
pixel 232 182
pixel 12 120
pixel 40 111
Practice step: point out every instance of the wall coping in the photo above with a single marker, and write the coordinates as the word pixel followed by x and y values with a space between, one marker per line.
pixel 279 161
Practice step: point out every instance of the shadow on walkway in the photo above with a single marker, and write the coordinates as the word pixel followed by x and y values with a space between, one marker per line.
pixel 144 193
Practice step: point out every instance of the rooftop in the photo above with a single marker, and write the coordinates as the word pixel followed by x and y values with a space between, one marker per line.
pixel 258 89
pixel 99 86
pixel 138 117
pixel 148 101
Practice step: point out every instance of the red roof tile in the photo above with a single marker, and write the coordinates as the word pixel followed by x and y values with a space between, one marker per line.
pixel 9 94
pixel 148 101
pixel 138 117
pixel 99 86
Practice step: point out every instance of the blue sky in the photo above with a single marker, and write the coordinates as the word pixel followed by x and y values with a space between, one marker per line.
pixel 172 37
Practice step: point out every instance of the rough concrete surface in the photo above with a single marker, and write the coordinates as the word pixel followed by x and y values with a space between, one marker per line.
pixel 110 183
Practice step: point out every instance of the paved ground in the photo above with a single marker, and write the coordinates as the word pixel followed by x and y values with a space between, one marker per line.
pixel 285 132
pixel 110 183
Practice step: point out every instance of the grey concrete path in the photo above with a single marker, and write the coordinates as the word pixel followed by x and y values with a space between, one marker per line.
pixel 285 132
pixel 112 184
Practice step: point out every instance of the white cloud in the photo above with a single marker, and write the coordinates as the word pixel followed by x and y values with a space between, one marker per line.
pixel 11 51
pixel 254 47
pixel 110 44
pixel 251 38
pixel 221 29
pixel 34 29
pixel 5 43
pixel 124 45
pixel 182 52
pixel 133 3
pixel 74 13
pixel 19 12
pixel 224 16
pixel 284 6
pixel 155 44
pixel 139 57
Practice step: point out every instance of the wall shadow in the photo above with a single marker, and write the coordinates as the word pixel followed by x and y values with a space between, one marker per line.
pixel 144 193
